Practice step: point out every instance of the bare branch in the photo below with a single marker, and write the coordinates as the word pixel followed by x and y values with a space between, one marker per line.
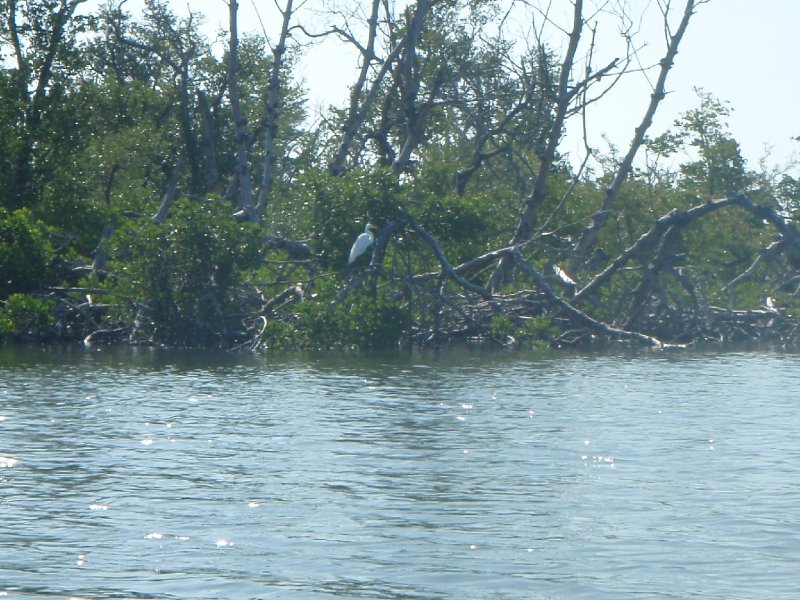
pixel 600 218
pixel 537 195
pixel 774 248
pixel 447 268
pixel 272 115
pixel 681 219
pixel 579 317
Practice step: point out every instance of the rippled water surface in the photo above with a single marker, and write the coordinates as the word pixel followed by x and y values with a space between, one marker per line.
pixel 145 474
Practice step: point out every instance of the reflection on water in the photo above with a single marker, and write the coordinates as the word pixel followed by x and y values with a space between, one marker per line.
pixel 146 474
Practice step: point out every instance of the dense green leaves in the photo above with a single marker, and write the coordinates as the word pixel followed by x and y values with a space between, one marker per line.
pixel 24 317
pixel 26 254
pixel 183 276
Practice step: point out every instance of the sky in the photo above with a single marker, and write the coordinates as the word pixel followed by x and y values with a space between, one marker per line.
pixel 744 53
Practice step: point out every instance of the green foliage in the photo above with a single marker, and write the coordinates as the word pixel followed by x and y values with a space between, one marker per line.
pixel 122 161
pixel 372 321
pixel 187 272
pixel 33 89
pixel 25 317
pixel 719 169
pixel 501 326
pixel 788 194
pixel 465 225
pixel 77 221
pixel 363 322
pixel 342 206
pixel 25 253
pixel 736 237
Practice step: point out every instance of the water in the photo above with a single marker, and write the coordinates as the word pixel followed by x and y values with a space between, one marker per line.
pixel 145 474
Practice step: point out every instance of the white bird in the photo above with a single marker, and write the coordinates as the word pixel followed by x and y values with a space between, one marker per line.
pixel 361 244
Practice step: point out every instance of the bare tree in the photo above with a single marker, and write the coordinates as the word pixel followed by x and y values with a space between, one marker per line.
pixel 570 98
pixel 364 93
pixel 600 218
pixel 248 210
pixel 244 184
pixel 562 99
pixel 273 113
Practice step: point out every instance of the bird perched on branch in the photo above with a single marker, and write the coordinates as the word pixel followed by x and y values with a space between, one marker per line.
pixel 361 244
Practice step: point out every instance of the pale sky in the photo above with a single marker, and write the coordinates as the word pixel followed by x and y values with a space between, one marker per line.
pixel 743 52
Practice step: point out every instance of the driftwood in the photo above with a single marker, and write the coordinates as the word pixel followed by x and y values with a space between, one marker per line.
pixel 744 316
pixel 78 315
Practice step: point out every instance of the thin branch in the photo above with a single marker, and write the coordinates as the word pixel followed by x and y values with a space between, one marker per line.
pixel 600 218
pixel 774 248
pixel 447 268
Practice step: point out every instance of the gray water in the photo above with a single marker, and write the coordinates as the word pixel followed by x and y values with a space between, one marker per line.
pixel 148 474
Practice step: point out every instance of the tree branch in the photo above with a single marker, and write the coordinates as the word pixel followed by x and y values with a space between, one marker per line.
pixel 600 218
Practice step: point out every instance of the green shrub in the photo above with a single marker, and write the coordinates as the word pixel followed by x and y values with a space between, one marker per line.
pixel 25 253
pixel 464 226
pixel 26 317
pixel 78 221
pixel 371 321
pixel 363 322
pixel 187 272
pixel 536 331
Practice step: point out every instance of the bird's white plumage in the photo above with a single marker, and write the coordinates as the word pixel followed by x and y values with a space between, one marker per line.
pixel 361 244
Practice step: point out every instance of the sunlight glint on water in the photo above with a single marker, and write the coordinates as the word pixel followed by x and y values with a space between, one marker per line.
pixel 169 475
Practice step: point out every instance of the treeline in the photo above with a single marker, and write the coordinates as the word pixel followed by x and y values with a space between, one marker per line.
pixel 156 190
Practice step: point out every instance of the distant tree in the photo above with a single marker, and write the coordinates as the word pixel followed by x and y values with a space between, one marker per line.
pixel 719 169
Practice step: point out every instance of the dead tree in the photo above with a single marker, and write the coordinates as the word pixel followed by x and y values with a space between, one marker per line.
pixel 600 218
pixel 563 96
pixel 363 94
pixel 248 209
pixel 244 184
pixel 272 113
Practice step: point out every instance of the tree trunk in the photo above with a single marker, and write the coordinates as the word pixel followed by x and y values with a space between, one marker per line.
pixel 563 97
pixel 244 184
pixel 273 102
pixel 207 144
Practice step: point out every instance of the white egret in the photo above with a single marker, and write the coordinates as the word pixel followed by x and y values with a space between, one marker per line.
pixel 361 244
